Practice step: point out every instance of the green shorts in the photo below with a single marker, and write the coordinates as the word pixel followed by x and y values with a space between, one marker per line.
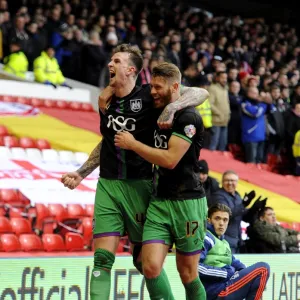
pixel 182 222
pixel 120 208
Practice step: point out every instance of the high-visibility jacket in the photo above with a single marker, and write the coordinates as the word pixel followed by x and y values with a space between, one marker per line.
pixel 47 69
pixel 16 63
pixel 296 145
pixel 204 110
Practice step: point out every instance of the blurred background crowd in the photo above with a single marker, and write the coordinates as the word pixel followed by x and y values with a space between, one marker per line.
pixel 250 68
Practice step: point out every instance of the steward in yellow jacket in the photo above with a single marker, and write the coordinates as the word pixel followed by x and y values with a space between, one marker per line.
pixel 16 62
pixel 46 68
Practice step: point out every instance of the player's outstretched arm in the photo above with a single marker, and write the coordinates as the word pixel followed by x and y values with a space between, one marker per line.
pixel 166 158
pixel 190 96
pixel 73 179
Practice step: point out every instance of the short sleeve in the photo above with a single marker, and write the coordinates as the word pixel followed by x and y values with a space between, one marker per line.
pixel 186 126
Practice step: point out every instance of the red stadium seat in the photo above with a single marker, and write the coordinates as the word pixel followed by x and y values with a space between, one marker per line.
pixel 3 211
pixel 30 242
pixel 89 210
pixel 58 211
pixel 3 131
pixel 27 142
pixel 20 225
pixel 74 242
pixel 2 141
pixel 16 212
pixel 9 195
pixel 75 105
pixel 121 245
pixel 42 144
pixel 5 226
pixel 62 104
pixel 7 98
pixel 10 242
pixel 75 210
pixel 11 141
pixel 87 107
pixel 53 242
pixel 50 103
pixel 87 228
pixel 37 102
pixel 23 100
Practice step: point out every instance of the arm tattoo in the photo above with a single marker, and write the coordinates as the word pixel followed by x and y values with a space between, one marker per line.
pixel 92 163
pixel 190 96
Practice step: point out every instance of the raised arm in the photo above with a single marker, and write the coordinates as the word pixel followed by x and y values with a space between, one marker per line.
pixel 190 96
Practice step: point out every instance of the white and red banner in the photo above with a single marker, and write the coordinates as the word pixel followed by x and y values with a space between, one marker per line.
pixel 40 182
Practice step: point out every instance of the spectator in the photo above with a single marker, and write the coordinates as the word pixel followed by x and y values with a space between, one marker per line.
pixel 209 183
pixel 205 110
pixel 93 60
pixel 46 69
pixel 266 236
pixel 219 101
pixel 235 100
pixel 16 62
pixel 229 196
pixel 253 124
pixel 224 276
pixel 296 153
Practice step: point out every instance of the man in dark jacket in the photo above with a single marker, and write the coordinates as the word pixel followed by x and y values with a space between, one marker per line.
pixel 224 276
pixel 210 184
pixel 229 196
pixel 266 236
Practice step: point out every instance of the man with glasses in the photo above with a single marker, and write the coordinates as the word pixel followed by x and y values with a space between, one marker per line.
pixel 229 196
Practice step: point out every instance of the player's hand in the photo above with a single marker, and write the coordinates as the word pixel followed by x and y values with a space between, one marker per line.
pixel 166 118
pixel 124 140
pixel 71 180
pixel 105 98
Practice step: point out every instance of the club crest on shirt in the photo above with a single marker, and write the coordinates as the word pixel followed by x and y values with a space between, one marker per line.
pixel 189 130
pixel 136 105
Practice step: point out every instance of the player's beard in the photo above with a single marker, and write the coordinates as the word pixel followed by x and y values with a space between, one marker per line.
pixel 166 99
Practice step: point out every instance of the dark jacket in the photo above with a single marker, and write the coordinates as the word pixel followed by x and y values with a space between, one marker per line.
pixel 235 203
pixel 211 185
pixel 267 238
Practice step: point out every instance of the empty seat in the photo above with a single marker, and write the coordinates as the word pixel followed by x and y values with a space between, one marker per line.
pixel 5 226
pixel 75 210
pixel 87 230
pixel 20 225
pixel 74 242
pixel 296 226
pixel 18 153
pixel 36 102
pixel 2 141
pixel 81 157
pixel 3 211
pixel 16 212
pixel 10 242
pixel 42 144
pixel 66 156
pixel 5 152
pixel 53 242
pixel 9 195
pixel 58 211
pixel 34 154
pixel 89 210
pixel 30 242
pixel 87 107
pixel 3 131
pixel 50 155
pixel 286 225
pixel 11 141
pixel 27 142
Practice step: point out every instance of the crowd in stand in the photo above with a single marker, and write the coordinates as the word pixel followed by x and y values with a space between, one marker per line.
pixel 250 68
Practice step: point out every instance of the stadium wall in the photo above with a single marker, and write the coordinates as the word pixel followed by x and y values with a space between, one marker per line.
pixel 67 277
